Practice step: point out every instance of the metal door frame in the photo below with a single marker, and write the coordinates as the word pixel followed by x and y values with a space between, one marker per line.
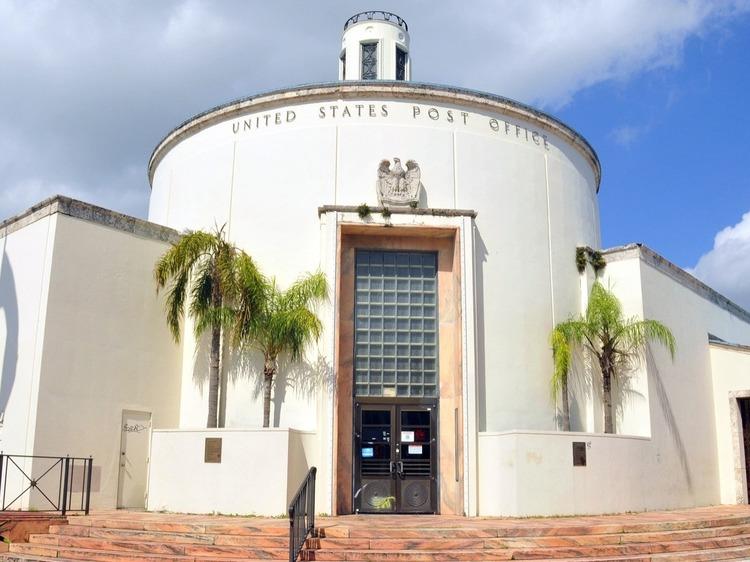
pixel 395 404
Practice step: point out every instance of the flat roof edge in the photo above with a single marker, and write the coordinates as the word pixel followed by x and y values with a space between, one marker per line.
pixel 60 204
pixel 676 273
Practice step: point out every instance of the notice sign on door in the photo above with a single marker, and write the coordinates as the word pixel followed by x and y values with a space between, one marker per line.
pixel 407 437
pixel 415 449
pixel 368 452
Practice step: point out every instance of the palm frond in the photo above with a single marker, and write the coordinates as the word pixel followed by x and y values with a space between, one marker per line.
pixel 635 334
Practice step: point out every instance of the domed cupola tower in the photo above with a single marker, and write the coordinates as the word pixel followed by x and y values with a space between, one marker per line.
pixel 375 46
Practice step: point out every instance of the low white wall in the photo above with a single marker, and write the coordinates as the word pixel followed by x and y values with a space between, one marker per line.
pixel 260 470
pixel 524 473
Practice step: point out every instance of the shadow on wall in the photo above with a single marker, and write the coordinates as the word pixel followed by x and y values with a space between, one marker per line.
pixel 480 257
pixel 666 408
pixel 305 377
pixel 9 309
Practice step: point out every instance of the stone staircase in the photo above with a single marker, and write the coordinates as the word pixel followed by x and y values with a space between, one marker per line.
pixel 689 535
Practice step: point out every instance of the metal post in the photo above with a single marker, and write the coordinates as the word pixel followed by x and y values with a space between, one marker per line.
pixel 66 466
pixel 291 533
pixel 312 503
pixel 2 459
pixel 88 484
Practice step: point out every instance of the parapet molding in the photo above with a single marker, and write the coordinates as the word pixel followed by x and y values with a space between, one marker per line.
pixel 730 346
pixel 676 273
pixel 399 211
pixel 90 213
pixel 376 89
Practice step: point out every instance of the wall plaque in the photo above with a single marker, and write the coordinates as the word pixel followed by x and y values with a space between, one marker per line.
pixel 212 452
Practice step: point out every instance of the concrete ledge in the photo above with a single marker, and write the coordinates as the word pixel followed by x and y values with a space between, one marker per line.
pixel 647 255
pixel 88 212
pixel 258 474
pixel 399 211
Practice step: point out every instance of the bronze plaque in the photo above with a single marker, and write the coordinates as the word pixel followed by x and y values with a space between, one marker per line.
pixel 579 453
pixel 212 451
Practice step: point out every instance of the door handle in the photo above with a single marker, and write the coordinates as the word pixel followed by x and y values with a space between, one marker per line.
pixel 400 466
pixel 393 470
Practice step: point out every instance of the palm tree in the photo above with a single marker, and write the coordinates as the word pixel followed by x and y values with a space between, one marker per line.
pixel 203 271
pixel 277 322
pixel 616 342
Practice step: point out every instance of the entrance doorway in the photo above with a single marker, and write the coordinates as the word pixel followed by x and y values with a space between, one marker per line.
pixel 134 452
pixel 398 345
pixel 396 458
pixel 744 408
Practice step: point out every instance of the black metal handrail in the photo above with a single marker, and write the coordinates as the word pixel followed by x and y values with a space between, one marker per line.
pixel 60 474
pixel 377 15
pixel 302 515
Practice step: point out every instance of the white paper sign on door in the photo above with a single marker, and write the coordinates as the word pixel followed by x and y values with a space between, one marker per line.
pixel 415 449
pixel 407 437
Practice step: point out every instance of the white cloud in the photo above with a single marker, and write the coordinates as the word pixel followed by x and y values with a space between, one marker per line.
pixel 89 88
pixel 726 267
pixel 626 135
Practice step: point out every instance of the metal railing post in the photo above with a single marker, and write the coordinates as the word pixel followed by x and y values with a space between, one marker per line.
pixel 66 466
pixel 2 485
pixel 88 483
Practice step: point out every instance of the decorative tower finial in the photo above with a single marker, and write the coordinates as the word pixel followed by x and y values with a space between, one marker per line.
pixel 375 46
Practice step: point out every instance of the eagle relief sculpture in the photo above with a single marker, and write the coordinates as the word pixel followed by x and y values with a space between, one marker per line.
pixel 397 186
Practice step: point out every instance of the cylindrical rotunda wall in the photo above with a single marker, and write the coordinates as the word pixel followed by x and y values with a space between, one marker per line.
pixel 264 165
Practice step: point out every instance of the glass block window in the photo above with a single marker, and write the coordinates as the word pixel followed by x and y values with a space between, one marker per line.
pixel 400 64
pixel 369 61
pixel 396 330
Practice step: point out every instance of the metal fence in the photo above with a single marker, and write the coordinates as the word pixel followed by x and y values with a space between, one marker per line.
pixel 302 515
pixel 42 483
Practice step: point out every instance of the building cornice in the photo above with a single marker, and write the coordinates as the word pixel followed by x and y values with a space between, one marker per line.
pixel 399 211
pixel 375 89
pixel 676 273
pixel 731 346
pixel 88 212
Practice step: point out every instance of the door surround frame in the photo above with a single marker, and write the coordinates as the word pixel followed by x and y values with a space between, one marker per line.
pixel 738 444
pixel 451 461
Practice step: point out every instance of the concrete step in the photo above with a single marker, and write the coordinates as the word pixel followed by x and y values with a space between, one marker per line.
pixel 532 553
pixel 259 540
pixel 240 528
pixel 385 542
pixel 530 529
pixel 61 544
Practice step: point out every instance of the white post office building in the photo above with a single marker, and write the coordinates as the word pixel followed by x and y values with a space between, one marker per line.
pixel 431 383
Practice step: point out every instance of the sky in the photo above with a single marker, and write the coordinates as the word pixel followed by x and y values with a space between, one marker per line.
pixel 88 88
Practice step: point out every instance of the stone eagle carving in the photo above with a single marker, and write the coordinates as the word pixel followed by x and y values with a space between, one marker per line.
pixel 396 186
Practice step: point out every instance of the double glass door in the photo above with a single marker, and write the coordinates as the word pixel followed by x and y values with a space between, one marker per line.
pixel 395 450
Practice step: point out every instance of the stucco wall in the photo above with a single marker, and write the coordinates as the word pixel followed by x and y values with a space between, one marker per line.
pixel 106 347
pixel 532 473
pixel 265 172
pixel 730 370
pixel 24 283
pixel 259 472
pixel 678 395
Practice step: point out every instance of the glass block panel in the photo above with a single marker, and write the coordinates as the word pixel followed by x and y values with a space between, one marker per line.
pixel 396 321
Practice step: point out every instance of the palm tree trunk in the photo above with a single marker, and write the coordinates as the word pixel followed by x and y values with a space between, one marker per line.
pixel 607 394
pixel 215 364
pixel 213 378
pixel 565 405
pixel 269 369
